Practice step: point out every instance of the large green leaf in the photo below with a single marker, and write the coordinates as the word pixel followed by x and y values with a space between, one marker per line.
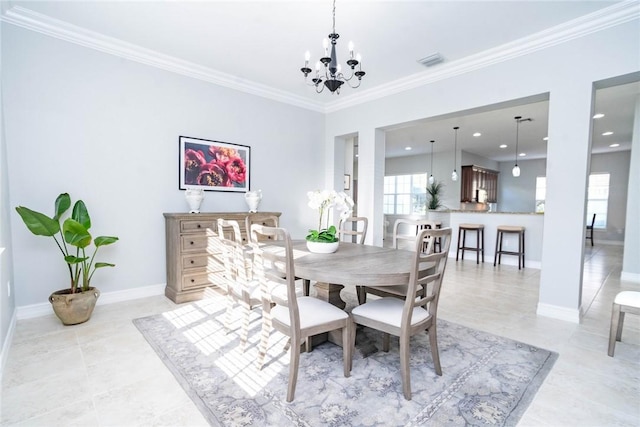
pixel 75 233
pixel 104 240
pixel 63 202
pixel 39 224
pixel 104 264
pixel 81 214
pixel 71 259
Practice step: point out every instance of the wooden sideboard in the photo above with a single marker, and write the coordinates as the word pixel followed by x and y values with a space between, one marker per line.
pixel 193 252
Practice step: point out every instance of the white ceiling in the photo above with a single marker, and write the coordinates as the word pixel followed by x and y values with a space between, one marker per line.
pixel 262 43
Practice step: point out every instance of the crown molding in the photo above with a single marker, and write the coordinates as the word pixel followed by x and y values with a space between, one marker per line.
pixel 611 16
pixel 34 21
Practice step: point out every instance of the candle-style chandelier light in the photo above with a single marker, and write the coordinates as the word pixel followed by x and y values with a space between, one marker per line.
pixel 333 77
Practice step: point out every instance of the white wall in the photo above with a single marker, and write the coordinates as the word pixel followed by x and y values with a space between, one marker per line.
pixel 7 293
pixel 566 72
pixel 519 194
pixel 106 130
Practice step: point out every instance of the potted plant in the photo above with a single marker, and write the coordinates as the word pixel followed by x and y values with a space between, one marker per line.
pixel 74 304
pixel 434 191
pixel 323 239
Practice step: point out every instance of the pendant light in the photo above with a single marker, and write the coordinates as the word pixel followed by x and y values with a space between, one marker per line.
pixel 516 169
pixel 454 174
pixel 431 178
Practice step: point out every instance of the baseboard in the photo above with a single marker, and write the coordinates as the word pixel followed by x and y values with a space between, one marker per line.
pixel 4 355
pixel 560 313
pixel 630 277
pixel 43 309
pixel 506 260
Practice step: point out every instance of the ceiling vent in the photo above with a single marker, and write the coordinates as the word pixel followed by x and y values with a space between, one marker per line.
pixel 431 60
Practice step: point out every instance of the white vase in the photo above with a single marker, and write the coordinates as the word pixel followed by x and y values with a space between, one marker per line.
pixel 253 199
pixel 194 198
pixel 322 247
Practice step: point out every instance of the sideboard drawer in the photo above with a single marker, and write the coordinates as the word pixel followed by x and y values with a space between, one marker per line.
pixel 196 226
pixel 194 243
pixel 196 261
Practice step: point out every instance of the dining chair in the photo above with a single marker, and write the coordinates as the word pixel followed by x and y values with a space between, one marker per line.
pixel 353 229
pixel 282 309
pixel 259 218
pixel 418 311
pixel 624 302
pixel 589 234
pixel 240 287
pixel 428 246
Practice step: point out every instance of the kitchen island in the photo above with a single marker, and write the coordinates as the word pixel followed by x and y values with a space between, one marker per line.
pixel 532 222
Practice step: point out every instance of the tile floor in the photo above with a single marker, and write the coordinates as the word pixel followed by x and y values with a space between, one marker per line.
pixel 103 373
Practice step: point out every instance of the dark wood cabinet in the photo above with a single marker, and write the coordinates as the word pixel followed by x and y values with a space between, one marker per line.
pixel 476 178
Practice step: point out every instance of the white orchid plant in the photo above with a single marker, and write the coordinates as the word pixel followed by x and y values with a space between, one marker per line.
pixel 324 201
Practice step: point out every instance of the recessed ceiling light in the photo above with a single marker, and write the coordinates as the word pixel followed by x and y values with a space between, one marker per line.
pixel 607 133
pixel 546 138
pixel 477 134
pixel 598 116
pixel 522 154
pixel 407 148
pixel 503 146
pixel 614 145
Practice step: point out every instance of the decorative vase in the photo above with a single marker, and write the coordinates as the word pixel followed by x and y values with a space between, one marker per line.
pixel 76 308
pixel 194 198
pixel 322 247
pixel 253 199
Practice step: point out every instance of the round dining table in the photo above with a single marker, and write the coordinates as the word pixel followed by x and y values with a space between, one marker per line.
pixel 351 265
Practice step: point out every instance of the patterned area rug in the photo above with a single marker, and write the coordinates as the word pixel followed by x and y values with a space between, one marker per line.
pixel 487 379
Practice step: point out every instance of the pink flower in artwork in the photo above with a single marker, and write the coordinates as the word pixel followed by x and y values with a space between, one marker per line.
pixel 222 155
pixel 193 162
pixel 213 175
pixel 236 170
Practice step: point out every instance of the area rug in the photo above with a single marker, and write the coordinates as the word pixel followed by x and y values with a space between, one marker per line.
pixel 486 380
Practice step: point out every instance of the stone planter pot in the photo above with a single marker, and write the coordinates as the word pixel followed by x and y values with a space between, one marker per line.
pixel 322 247
pixel 76 308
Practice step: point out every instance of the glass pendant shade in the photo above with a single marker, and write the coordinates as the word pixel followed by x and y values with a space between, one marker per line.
pixel 516 171
pixel 454 174
pixel 431 179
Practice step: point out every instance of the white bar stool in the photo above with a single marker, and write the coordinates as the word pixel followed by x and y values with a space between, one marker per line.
pixel 625 302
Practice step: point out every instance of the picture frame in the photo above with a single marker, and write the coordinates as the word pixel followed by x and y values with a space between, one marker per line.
pixel 347 182
pixel 213 165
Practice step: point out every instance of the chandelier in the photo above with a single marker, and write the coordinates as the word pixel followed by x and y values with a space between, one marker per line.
pixel 333 77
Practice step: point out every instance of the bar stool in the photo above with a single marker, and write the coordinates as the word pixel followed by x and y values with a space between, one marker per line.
pixel 516 229
pixel 462 230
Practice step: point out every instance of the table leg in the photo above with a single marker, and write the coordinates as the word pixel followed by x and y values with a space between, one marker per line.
pixel 330 293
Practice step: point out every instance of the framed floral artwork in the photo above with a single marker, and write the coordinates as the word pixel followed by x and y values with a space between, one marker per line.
pixel 214 165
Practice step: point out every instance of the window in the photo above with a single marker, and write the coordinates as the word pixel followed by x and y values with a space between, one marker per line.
pixel 597 199
pixel 405 194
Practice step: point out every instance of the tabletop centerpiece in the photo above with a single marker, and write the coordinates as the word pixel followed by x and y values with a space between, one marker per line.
pixel 323 239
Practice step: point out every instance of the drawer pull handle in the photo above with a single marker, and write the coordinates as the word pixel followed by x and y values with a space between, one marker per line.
pixel 191 243
pixel 198 225
pixel 191 261
pixel 192 280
